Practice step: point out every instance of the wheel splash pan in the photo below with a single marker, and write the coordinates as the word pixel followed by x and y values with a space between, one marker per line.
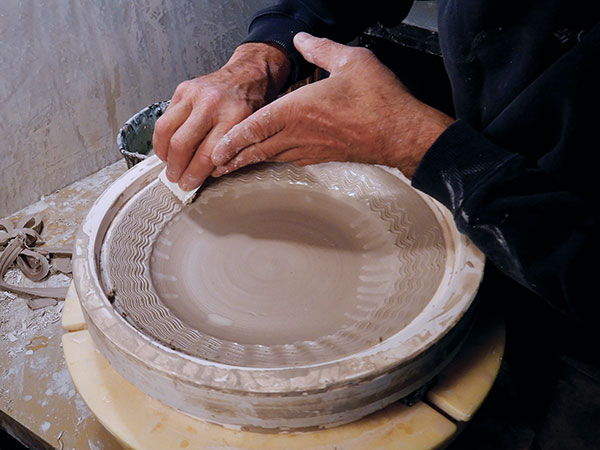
pixel 283 298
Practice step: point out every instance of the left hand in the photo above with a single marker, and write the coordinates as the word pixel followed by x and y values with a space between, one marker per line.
pixel 360 113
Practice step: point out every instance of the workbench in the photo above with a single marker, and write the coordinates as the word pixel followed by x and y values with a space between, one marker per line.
pixel 38 402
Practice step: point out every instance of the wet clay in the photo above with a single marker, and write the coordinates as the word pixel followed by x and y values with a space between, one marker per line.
pixel 275 268
pixel 17 246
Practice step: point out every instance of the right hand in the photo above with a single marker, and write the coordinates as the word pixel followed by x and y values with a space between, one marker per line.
pixel 203 109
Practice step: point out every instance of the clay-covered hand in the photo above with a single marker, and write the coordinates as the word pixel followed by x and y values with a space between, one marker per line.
pixel 203 109
pixel 360 113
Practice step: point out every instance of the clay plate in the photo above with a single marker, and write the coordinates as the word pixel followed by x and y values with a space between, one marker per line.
pixel 282 298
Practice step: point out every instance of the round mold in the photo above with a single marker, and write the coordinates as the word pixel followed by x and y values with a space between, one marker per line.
pixel 283 298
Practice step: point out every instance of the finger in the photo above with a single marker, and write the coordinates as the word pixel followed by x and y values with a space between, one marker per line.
pixel 197 171
pixel 262 151
pixel 166 125
pixel 306 162
pixel 259 126
pixel 298 157
pixel 289 155
pixel 184 143
pixel 322 52
pixel 201 165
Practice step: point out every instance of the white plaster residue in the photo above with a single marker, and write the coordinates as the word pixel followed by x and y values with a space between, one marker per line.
pixel 266 114
pixel 45 426
pixel 497 234
pixel 455 197
pixel 82 409
pixel 60 383
pixel 95 445
pixel 106 397
pixel 35 208
pixel 226 139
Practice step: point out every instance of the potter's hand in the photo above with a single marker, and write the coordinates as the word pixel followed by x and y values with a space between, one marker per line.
pixel 203 109
pixel 361 113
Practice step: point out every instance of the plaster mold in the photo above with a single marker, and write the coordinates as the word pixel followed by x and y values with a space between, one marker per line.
pixel 282 298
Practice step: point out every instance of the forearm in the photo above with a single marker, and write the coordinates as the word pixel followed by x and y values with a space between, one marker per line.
pixel 531 226
pixel 412 134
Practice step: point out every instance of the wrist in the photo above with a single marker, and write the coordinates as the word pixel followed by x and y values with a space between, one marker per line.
pixel 426 127
pixel 433 124
pixel 269 60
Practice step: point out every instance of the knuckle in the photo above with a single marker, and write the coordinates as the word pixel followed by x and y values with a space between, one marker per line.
pixel 256 155
pixel 179 92
pixel 242 132
pixel 202 159
pixel 253 130
pixel 362 53
pixel 161 126
pixel 182 87
pixel 321 44
pixel 177 145
pixel 211 96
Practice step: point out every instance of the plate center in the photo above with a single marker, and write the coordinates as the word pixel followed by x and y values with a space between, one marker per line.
pixel 273 267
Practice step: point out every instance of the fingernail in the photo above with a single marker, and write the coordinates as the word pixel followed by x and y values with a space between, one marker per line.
pixel 172 175
pixel 301 37
pixel 188 183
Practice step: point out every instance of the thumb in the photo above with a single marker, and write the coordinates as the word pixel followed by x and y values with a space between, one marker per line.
pixel 325 53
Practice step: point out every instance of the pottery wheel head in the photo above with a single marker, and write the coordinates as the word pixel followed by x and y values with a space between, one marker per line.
pixel 276 266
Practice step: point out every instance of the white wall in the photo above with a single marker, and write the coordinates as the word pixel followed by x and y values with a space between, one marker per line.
pixel 72 71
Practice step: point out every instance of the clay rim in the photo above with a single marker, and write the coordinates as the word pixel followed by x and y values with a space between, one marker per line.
pixel 466 264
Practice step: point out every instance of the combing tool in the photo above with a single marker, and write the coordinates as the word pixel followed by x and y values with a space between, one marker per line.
pixel 186 197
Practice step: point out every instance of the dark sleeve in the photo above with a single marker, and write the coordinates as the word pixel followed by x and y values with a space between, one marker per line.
pixel 524 189
pixel 336 20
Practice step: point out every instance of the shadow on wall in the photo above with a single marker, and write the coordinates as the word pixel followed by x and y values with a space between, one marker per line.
pixel 70 75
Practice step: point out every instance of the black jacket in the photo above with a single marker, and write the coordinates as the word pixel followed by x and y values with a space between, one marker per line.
pixel 516 168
